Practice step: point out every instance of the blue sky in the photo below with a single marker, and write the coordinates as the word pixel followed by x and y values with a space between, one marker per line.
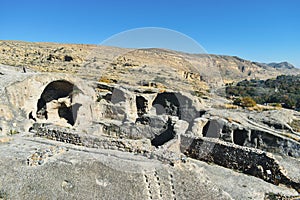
pixel 258 30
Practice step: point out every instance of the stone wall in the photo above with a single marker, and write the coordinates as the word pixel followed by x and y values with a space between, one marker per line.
pixel 81 139
pixel 247 160
pixel 241 135
pixel 141 147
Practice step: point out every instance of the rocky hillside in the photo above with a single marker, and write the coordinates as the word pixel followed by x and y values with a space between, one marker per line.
pixel 86 59
pixel 89 122
pixel 285 65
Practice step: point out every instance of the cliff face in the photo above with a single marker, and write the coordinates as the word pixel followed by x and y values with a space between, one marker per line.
pixel 87 121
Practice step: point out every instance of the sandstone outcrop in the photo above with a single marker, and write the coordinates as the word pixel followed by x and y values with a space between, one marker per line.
pixel 146 124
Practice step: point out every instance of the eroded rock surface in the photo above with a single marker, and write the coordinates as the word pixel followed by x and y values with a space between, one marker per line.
pixel 69 135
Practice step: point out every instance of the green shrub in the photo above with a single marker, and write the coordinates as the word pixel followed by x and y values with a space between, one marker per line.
pixel 244 102
pixel 248 102
pixel 284 90
pixel 295 124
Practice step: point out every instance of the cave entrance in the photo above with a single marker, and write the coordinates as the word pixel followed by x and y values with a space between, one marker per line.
pixel 240 136
pixel 57 90
pixel 141 105
pixel 167 103
pixel 167 135
pixel 256 139
pixel 212 129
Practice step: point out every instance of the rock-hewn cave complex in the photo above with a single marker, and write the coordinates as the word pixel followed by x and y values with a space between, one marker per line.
pixel 160 135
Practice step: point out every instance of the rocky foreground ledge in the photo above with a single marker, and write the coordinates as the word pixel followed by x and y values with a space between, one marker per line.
pixel 71 171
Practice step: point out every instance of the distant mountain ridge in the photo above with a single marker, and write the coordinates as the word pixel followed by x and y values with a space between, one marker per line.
pixel 282 65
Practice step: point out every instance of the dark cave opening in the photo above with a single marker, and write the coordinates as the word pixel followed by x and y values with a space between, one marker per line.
pixel 212 129
pixel 54 91
pixel 68 58
pixel 167 135
pixel 240 136
pixel 167 103
pixel 141 105
pixel 107 97
pixel 69 113
pixel 255 139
